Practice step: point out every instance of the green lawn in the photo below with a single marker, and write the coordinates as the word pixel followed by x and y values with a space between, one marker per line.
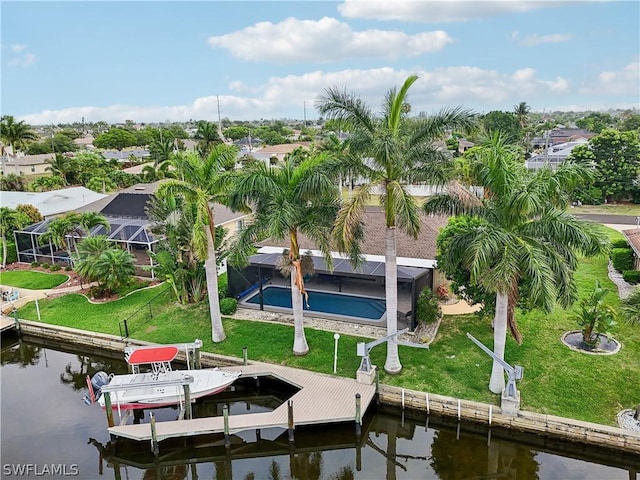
pixel 32 280
pixel 556 380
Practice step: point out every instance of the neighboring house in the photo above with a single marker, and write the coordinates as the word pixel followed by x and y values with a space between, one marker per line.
pixel 554 155
pixel 54 202
pixel 85 142
pixel 561 135
pixel 633 237
pixel 129 227
pixel 22 164
pixel 278 151
pixel 464 145
pixel 123 155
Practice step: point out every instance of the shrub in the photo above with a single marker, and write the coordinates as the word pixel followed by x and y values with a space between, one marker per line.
pixel 35 264
pixel 223 285
pixel 622 259
pixel 631 276
pixel 55 267
pixel 428 309
pixel 68 268
pixel 46 266
pixel 228 306
pixel 620 243
pixel 98 291
pixel 12 253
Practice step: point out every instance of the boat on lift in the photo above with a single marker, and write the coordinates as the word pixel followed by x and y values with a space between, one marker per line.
pixel 159 384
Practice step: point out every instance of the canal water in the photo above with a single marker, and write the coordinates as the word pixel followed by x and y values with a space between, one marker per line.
pixel 48 432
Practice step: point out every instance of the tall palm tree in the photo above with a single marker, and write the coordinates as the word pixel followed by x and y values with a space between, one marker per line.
pixel 523 239
pixel 202 183
pixel 296 197
pixel 521 111
pixel 396 151
pixel 207 136
pixel 15 134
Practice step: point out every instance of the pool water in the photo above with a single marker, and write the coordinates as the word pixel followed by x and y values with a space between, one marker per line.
pixel 326 302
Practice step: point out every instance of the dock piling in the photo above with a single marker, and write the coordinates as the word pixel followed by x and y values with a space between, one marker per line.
pixel 290 417
pixel 227 438
pixel 187 401
pixel 377 387
pixel 155 447
pixel 244 354
pixel 108 409
pixel 358 415
pixel 197 362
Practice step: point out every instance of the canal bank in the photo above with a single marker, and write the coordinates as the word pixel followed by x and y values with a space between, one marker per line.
pixel 547 426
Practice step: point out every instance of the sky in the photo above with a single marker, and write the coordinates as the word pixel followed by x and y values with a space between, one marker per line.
pixel 157 61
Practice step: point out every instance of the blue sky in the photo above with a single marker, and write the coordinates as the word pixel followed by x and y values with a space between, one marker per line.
pixel 156 61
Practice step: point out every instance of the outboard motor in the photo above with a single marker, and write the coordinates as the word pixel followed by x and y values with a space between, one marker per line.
pixel 95 384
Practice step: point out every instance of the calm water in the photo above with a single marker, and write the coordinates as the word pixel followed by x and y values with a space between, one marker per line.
pixel 335 303
pixel 46 425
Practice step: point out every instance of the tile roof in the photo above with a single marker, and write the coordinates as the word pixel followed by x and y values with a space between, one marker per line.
pixel 423 247
pixel 633 237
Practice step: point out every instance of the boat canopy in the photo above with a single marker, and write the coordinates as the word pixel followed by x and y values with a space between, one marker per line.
pixel 152 355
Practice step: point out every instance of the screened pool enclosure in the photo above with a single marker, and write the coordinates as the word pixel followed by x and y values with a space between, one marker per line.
pixel 254 287
pixel 133 235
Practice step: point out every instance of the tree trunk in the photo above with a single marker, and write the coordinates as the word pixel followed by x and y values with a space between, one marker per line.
pixel 496 384
pixel 211 272
pixel 300 346
pixel 4 252
pixel 392 364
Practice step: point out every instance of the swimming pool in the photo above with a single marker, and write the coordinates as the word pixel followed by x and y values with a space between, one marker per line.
pixel 334 303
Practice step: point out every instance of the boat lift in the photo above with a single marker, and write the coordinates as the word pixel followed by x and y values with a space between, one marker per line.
pixel 363 349
pixel 513 373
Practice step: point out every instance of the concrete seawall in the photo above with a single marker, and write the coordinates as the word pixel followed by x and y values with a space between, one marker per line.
pixel 544 425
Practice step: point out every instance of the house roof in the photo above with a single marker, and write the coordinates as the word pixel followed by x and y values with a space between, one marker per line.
pixel 131 202
pixel 53 202
pixel 633 237
pixel 424 247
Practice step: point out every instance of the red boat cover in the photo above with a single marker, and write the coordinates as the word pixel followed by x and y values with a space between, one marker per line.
pixel 152 355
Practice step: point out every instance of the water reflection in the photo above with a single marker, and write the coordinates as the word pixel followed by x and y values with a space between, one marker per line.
pixel 57 427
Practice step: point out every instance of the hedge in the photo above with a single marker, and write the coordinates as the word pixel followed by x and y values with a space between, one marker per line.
pixel 631 276
pixel 622 259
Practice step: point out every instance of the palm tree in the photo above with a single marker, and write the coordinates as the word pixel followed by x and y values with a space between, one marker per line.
pixel 113 268
pixel 10 220
pixel 631 307
pixel 201 184
pixel 522 240
pixel 45 184
pixel 15 134
pixel 89 250
pixel 207 136
pixel 397 152
pixel 59 167
pixel 521 111
pixel 296 197
pixel 63 230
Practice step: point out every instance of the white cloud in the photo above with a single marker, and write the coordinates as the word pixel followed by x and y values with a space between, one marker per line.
pixel 19 56
pixel 535 39
pixel 621 82
pixel 324 40
pixel 25 60
pixel 443 11
pixel 286 96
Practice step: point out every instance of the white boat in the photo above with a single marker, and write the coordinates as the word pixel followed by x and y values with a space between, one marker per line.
pixel 161 386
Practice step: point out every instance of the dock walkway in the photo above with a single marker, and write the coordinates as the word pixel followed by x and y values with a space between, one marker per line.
pixel 6 323
pixel 321 399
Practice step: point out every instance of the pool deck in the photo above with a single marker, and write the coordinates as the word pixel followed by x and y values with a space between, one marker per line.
pixel 322 399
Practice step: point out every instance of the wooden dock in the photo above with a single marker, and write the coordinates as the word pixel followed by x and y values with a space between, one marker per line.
pixel 322 399
pixel 6 323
